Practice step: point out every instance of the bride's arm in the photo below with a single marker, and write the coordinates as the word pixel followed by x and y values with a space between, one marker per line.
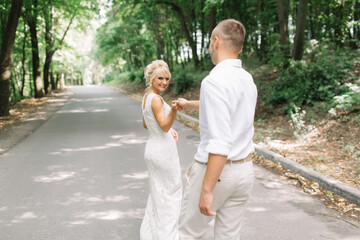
pixel 144 124
pixel 165 122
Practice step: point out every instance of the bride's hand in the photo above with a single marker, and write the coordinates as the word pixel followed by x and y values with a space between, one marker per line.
pixel 174 134
pixel 174 105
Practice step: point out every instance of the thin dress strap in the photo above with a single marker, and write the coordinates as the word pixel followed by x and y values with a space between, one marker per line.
pixel 148 100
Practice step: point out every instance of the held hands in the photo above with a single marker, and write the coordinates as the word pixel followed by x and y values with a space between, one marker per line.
pixel 179 104
pixel 175 106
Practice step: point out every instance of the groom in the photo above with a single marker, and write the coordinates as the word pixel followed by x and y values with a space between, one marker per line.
pixel 222 176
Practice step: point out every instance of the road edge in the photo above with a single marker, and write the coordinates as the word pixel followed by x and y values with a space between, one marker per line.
pixel 13 134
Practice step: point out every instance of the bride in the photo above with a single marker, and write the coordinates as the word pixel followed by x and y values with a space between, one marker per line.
pixel 161 157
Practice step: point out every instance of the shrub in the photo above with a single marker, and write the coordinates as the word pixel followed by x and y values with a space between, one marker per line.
pixel 186 78
pixel 116 77
pixel 137 76
pixel 183 80
pixel 305 82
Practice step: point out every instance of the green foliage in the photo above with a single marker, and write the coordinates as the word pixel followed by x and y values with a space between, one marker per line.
pixel 182 79
pixel 183 82
pixel 212 3
pixel 110 77
pixel 186 78
pixel 274 55
pixel 16 97
pixel 137 32
pixel 305 82
pixel 137 76
pixel 117 77
pixel 124 42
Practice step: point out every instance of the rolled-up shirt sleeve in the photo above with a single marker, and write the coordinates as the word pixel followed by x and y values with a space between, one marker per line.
pixel 216 109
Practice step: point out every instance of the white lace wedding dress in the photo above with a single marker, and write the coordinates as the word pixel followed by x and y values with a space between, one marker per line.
pixel 163 207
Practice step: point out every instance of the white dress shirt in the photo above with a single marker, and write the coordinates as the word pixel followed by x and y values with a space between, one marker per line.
pixel 227 107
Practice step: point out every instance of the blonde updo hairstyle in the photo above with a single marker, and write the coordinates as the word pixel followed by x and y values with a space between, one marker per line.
pixel 154 69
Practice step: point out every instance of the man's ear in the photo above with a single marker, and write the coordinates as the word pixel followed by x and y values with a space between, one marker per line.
pixel 216 42
pixel 241 49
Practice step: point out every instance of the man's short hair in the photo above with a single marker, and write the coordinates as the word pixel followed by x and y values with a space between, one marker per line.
pixel 232 32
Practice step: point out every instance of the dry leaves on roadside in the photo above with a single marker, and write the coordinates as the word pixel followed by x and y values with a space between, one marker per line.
pixel 330 199
pixel 22 109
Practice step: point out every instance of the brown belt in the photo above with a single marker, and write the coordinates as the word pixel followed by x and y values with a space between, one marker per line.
pixel 244 160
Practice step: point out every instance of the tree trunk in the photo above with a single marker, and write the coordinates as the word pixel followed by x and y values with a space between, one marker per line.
pixel 357 18
pixel 283 12
pixel 12 84
pixel 31 82
pixel 49 40
pixel 300 30
pixel 313 21
pixel 262 53
pixel 72 77
pixel 168 52
pixel 48 60
pixel 212 25
pixel 193 30
pixel 53 85
pixel 187 33
pixel 203 34
pixel 3 17
pixel 57 82
pixel 6 56
pixel 212 20
pixel 65 79
pixel 23 61
pixel 339 28
pixel 32 19
pixel 16 76
pixel 49 14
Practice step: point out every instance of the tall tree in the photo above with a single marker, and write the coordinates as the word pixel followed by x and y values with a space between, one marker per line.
pixel 4 12
pixel 6 56
pixel 298 48
pixel 23 61
pixel 283 15
pixel 31 16
pixel 263 30
pixel 49 13
pixel 185 28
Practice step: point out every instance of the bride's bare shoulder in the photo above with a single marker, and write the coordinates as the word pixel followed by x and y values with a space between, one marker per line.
pixel 157 101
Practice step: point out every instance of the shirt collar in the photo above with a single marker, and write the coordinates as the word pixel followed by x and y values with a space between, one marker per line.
pixel 228 62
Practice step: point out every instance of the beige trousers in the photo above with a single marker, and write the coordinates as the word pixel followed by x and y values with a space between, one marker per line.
pixel 230 196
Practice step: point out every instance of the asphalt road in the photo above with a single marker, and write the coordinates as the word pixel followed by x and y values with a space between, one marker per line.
pixel 81 175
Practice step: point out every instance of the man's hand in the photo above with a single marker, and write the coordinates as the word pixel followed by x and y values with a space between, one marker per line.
pixel 205 203
pixel 176 106
pixel 181 103
pixel 213 170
